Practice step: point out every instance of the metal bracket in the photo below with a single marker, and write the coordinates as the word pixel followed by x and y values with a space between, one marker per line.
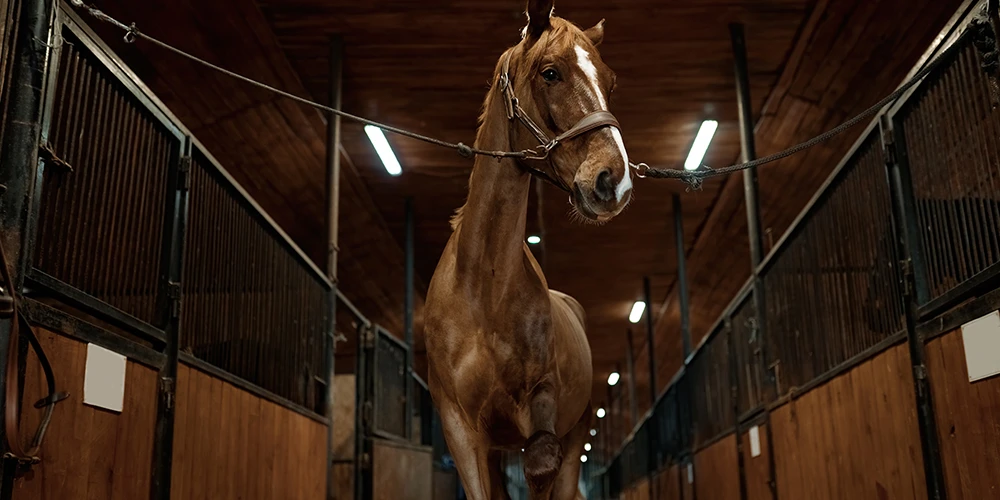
pixel 184 173
pixel 906 269
pixel 174 296
pixel 920 372
pixel 46 154
pixel 889 152
pixel 368 337
pixel 167 392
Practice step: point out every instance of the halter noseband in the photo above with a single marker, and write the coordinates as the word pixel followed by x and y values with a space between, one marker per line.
pixel 591 121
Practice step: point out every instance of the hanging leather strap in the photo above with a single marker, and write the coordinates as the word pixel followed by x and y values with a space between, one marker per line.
pixel 19 326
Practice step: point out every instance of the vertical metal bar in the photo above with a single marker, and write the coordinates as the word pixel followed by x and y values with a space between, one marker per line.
pixel 748 152
pixel 408 318
pixel 902 211
pixel 682 283
pixel 18 164
pixel 747 148
pixel 654 450
pixel 169 300
pixel 333 202
pixel 630 365
pixel 650 345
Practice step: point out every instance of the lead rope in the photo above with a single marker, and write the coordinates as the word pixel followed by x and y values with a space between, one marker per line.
pixel 694 178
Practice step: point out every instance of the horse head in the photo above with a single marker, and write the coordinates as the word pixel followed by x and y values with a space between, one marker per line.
pixel 556 85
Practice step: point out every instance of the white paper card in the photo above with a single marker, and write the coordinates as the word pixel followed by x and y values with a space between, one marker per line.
pixel 755 441
pixel 690 473
pixel 982 346
pixel 104 379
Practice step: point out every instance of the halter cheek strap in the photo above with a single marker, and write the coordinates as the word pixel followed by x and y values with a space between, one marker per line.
pixel 591 121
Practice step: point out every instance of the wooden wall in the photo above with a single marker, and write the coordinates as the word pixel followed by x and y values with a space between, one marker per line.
pixel 717 472
pixel 88 453
pixel 230 444
pixel 401 472
pixel 757 470
pixel 967 415
pixel 445 484
pixel 853 437
pixel 668 483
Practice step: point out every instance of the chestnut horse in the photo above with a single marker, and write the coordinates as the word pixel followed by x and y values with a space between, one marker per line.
pixel 509 361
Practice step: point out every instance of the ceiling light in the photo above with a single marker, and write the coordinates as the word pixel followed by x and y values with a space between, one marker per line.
pixel 600 413
pixel 534 240
pixel 700 146
pixel 593 432
pixel 583 458
pixel 385 153
pixel 586 447
pixel 613 378
pixel 636 313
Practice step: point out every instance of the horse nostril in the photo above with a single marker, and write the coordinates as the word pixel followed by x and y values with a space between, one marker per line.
pixel 604 188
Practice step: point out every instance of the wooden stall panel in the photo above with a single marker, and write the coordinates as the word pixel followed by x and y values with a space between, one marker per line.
pixel 88 453
pixel 757 470
pixel 669 483
pixel 717 471
pixel 967 415
pixel 445 484
pixel 230 444
pixel 853 437
pixel 401 472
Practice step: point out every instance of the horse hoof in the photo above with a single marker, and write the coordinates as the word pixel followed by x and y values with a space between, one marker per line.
pixel 542 458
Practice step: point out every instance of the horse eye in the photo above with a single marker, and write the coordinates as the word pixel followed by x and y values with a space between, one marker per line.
pixel 550 75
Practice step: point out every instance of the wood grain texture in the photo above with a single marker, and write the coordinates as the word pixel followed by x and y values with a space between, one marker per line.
pixel 445 484
pixel 966 415
pixel 717 472
pixel 343 481
pixel 853 437
pixel 343 416
pixel 757 470
pixel 401 472
pixel 669 483
pixel 230 444
pixel 88 453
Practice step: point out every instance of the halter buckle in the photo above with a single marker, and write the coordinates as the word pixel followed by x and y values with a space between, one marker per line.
pixel 539 153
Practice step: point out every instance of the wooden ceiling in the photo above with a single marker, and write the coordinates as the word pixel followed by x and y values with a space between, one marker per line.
pixel 425 66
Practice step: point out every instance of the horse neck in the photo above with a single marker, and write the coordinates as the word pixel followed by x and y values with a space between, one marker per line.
pixel 491 231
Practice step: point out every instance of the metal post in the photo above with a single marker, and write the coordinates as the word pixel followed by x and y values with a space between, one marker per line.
pixel 682 284
pixel 170 301
pixel 748 152
pixel 898 172
pixel 651 346
pixel 747 148
pixel 630 364
pixel 408 316
pixel 20 157
pixel 333 219
pixel 654 448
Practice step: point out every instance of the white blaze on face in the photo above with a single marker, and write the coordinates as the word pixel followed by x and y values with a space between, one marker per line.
pixel 583 60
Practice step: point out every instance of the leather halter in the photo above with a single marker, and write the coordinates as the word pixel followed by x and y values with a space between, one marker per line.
pixel 591 121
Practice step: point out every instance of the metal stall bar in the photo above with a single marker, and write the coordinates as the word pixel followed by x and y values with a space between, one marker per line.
pixel 333 236
pixel 408 319
pixel 898 175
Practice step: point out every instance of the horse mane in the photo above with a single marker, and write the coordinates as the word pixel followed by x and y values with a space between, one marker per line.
pixel 558 27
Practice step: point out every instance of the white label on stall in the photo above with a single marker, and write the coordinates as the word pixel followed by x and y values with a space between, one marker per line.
pixel 982 346
pixel 755 441
pixel 104 379
pixel 690 473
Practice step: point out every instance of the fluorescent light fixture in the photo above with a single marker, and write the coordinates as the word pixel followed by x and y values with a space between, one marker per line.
pixel 534 240
pixel 583 458
pixel 593 432
pixel 586 447
pixel 700 146
pixel 384 151
pixel 637 310
pixel 613 378
pixel 600 413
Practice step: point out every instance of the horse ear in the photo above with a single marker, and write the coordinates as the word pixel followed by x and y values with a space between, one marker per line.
pixel 539 13
pixel 596 33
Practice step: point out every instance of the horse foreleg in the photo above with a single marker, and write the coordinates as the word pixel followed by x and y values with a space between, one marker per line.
pixel 566 486
pixel 543 452
pixel 470 450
